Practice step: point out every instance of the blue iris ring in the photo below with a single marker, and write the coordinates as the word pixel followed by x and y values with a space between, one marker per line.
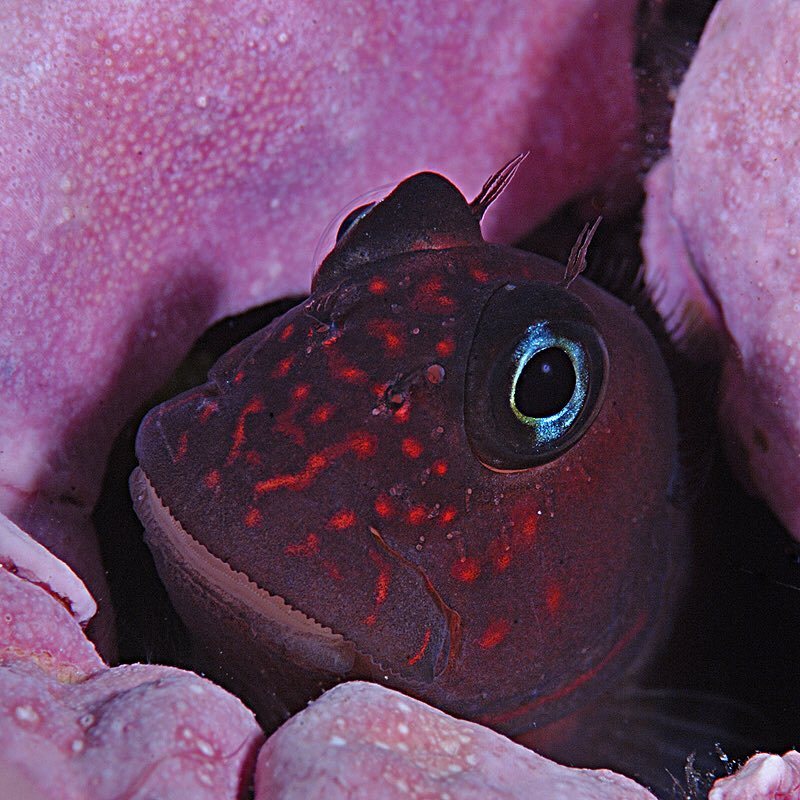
pixel 538 338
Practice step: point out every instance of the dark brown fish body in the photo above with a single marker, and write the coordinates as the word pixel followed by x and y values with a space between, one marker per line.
pixel 445 471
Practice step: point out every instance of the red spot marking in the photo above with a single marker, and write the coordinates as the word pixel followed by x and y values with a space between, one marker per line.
pixel 389 332
pixel 417 515
pixel 353 374
pixel 445 302
pixel 448 515
pixel 331 338
pixel 403 413
pixel 382 582
pixel 382 586
pixel 379 389
pixel 428 296
pixel 317 461
pixel 332 570
pixel 183 447
pixel 480 275
pixel 411 448
pixel 529 526
pixel 343 369
pixel 553 598
pixel 585 677
pixel 342 520
pixel 253 458
pixel 361 443
pixel 446 347
pixel 255 406
pixel 439 467
pixel 283 366
pixel 421 652
pixel 308 547
pixel 383 506
pixel 378 286
pixel 466 570
pixel 300 392
pixel 322 413
pixel 499 552
pixel 287 332
pixel 393 342
pixel 239 377
pixel 503 561
pixel 495 632
pixel 431 286
pixel 211 480
pixel 208 410
pixel 252 517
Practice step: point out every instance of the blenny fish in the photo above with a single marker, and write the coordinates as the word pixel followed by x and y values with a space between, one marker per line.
pixel 450 470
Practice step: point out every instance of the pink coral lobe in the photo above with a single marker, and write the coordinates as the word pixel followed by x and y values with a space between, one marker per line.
pixel 74 729
pixel 720 237
pixel 363 740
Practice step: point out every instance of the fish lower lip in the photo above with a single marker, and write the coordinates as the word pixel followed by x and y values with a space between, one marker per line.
pixel 300 636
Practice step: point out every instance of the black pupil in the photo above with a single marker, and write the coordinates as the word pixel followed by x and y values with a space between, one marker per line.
pixel 545 384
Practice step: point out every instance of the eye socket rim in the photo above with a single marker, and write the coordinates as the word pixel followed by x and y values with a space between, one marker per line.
pixel 329 240
pixel 353 218
pixel 595 378
pixel 497 437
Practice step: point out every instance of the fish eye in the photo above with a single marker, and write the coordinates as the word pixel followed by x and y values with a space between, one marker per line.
pixel 352 219
pixel 535 378
pixel 549 381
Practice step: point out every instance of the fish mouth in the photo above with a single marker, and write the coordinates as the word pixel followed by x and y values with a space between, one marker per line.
pixel 300 638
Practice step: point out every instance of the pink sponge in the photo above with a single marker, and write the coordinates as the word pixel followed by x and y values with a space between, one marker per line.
pixel 361 740
pixel 72 728
pixel 721 236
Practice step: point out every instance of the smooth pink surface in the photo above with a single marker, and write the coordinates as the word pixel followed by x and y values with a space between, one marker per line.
pixel 72 728
pixel 763 777
pixel 167 163
pixel 361 740
pixel 722 227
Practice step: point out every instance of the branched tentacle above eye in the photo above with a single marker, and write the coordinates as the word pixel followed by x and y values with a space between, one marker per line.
pixel 576 263
pixel 494 187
